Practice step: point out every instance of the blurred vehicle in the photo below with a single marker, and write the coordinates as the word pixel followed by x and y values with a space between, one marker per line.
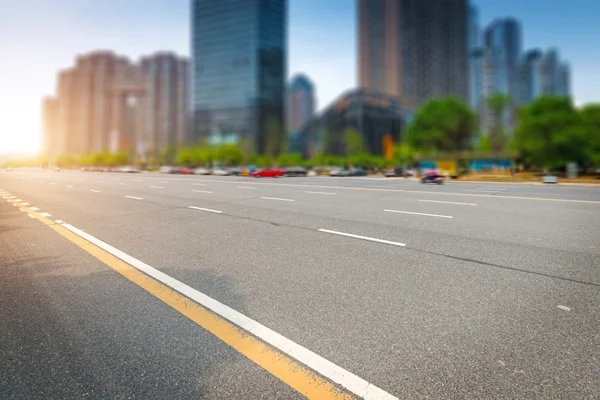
pixel 339 172
pixel 295 171
pixel 168 170
pixel 357 172
pixel 221 172
pixel 268 173
pixel 202 171
pixel 236 171
pixel 56 169
pixel 433 178
pixel 249 170
pixel 9 169
pixel 187 171
pixel 392 172
pixel 129 170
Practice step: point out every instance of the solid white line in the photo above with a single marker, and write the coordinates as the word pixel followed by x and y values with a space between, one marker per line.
pixel 416 213
pixel 135 198
pixel 156 187
pixel 329 193
pixel 370 239
pixel 448 202
pixel 95 191
pixel 345 378
pixel 492 189
pixel 276 198
pixel 30 216
pixel 45 214
pixel 34 208
pixel 201 191
pixel 245 187
pixel 481 191
pixel 206 209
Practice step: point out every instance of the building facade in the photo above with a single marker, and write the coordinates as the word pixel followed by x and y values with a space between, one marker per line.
pixel 239 69
pixel 414 50
pixel 300 103
pixel 51 127
pixel 542 74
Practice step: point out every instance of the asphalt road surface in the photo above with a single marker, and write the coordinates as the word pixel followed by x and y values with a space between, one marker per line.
pixel 150 286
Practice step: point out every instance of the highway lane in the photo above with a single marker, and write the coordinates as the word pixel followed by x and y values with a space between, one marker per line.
pixel 449 310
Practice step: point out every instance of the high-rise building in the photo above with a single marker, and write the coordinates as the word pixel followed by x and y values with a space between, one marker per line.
pixel 413 49
pixel 51 127
pixel 476 53
pixel 239 68
pixel 503 39
pixel 165 102
pixel 564 80
pixel 530 77
pixel 300 102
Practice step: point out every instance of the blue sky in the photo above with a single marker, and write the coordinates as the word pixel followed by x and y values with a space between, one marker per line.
pixel 38 37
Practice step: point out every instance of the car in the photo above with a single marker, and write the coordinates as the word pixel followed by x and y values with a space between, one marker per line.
pixel 187 171
pixel 167 169
pixel 202 171
pixel 295 171
pixel 268 173
pixel 391 173
pixel 339 172
pixel 357 172
pixel 236 171
pixel 221 172
pixel 433 178
pixel 129 170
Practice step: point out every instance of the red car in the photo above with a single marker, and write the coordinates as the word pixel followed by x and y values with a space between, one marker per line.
pixel 186 171
pixel 268 173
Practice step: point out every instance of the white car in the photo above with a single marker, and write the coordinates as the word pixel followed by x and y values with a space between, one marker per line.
pixel 129 170
pixel 202 171
pixel 221 172
pixel 168 170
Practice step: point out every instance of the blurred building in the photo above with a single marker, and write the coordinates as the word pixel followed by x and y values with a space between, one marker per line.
pixel 51 127
pixel 380 118
pixel 555 75
pixel 475 56
pixel 239 69
pixel 542 74
pixel 299 105
pixel 414 49
pixel 166 103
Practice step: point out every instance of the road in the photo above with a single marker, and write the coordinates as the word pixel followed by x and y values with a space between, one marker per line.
pixel 158 286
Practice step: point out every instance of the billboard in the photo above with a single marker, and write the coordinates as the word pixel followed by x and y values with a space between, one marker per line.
pixel 443 167
pixel 490 167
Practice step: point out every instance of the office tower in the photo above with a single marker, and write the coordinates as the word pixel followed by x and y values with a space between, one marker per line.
pixel 564 80
pixel 476 53
pixel 165 103
pixel 530 77
pixel 239 68
pixel 503 39
pixel 50 127
pixel 413 49
pixel 300 102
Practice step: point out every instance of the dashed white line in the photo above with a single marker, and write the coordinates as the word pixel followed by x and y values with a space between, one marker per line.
pixel 201 191
pixel 30 216
pixel 416 213
pixel 94 190
pixel 246 187
pixel 45 214
pixel 276 198
pixel 198 184
pixel 448 202
pixel 337 374
pixel 133 197
pixel 206 209
pixel 370 239
pixel 162 181
pixel 59 221
pixel 327 193
pixel 20 209
pixel 481 191
pixel 34 208
pixel 24 204
pixel 156 187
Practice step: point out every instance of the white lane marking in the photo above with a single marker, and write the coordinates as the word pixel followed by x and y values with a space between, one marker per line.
pixel 156 187
pixel 335 373
pixel 30 216
pixel 246 187
pixel 25 204
pixel 162 181
pixel 40 182
pixel 34 208
pixel 45 214
pixel 69 186
pixel 59 221
pixel 564 308
pixel 18 200
pixel 201 191
pixel 95 191
pixel 370 239
pixel 121 183
pixel 448 202
pixel 416 213
pixel 492 189
pixel 198 184
pixel 133 197
pixel 328 193
pixel 52 183
pixel 481 191
pixel 206 209
pixel 276 198
pixel 20 209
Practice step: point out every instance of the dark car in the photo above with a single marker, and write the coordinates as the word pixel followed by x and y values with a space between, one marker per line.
pixel 357 172
pixel 295 171
pixel 433 178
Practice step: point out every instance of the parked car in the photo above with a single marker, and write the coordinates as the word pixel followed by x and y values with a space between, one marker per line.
pixel 295 171
pixel 202 171
pixel 221 172
pixel 236 171
pixel 433 178
pixel 357 172
pixel 169 170
pixel 268 173
pixel 186 171
pixel 339 172
pixel 129 170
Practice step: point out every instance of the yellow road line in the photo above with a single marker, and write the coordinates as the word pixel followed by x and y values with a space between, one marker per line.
pixel 286 369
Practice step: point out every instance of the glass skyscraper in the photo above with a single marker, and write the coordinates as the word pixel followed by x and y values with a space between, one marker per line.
pixel 239 50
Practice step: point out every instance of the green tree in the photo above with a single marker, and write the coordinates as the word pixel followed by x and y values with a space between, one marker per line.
pixel 290 159
pixel 353 142
pixel 274 137
pixel 590 115
pixel 63 161
pixel 230 154
pixel 167 155
pixel 551 133
pixel 444 124
pixel 185 156
pixel 404 153
pixel 497 105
